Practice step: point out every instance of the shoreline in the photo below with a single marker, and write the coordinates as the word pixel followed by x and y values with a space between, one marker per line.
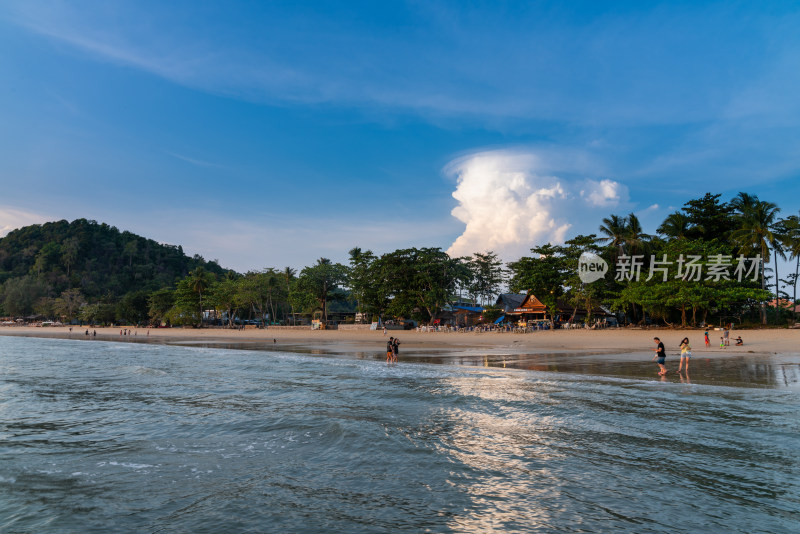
pixel 769 358
pixel 767 341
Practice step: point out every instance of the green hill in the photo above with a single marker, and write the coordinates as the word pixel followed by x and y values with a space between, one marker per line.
pixel 42 261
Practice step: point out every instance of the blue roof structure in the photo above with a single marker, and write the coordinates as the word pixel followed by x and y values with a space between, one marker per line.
pixel 469 308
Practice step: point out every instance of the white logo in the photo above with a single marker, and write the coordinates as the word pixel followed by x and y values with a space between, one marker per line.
pixel 591 267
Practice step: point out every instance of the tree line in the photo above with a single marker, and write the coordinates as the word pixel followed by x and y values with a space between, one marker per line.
pixel 93 273
pixel 714 238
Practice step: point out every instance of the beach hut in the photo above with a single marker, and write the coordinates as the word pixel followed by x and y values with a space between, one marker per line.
pixel 508 302
pixel 531 308
pixel 534 310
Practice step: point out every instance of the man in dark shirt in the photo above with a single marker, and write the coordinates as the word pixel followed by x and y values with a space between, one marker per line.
pixel 661 355
pixel 389 349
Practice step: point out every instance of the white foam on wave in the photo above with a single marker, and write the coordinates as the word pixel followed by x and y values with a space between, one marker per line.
pixel 141 370
pixel 126 464
pixel 9 480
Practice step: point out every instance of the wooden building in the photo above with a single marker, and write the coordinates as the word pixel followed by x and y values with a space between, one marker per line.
pixel 508 302
pixel 533 309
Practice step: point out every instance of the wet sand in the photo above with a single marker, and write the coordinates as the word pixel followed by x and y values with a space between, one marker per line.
pixel 769 357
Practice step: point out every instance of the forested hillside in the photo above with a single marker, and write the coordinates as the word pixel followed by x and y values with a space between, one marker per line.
pixel 45 260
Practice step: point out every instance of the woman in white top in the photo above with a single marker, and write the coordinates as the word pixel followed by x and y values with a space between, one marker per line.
pixel 686 353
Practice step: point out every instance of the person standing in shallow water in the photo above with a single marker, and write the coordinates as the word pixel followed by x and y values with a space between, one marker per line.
pixel 686 353
pixel 390 350
pixel 661 355
pixel 395 349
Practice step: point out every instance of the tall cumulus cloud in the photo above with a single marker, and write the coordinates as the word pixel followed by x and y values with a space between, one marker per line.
pixel 511 201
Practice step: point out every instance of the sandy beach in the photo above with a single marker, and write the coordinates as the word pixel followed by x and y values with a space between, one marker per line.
pixel 623 342
pixel 768 355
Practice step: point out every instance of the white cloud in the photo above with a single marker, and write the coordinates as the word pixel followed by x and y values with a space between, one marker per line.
pixel 511 201
pixel 12 218
pixel 603 194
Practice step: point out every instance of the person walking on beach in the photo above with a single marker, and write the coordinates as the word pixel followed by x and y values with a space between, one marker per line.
pixel 726 334
pixel 661 355
pixel 395 349
pixel 708 341
pixel 686 353
pixel 390 350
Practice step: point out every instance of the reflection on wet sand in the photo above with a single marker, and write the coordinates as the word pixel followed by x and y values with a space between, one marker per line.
pixel 750 370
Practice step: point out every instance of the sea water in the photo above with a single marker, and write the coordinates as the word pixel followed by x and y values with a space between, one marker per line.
pixel 118 437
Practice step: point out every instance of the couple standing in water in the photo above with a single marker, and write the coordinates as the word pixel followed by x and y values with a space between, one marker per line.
pixel 686 354
pixel 391 349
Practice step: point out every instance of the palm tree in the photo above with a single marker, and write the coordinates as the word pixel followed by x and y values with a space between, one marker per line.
pixel 288 275
pixel 777 241
pixel 674 226
pixel 615 228
pixel 791 241
pixel 199 280
pixel 755 232
pixel 634 237
pixel 271 281
pixel 743 202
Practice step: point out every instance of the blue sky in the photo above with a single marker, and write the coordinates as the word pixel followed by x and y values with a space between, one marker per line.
pixel 274 133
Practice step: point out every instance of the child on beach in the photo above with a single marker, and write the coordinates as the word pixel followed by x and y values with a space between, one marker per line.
pixel 708 341
pixel 722 343
pixel 686 353
pixel 661 355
